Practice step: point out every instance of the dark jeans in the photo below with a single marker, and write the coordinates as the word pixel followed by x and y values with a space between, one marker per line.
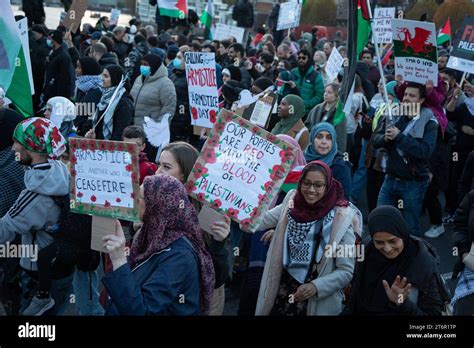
pixel 433 205
pixel 375 180
pixel 452 199
pixel 406 195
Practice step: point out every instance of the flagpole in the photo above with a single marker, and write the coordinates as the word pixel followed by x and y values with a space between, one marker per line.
pixel 379 61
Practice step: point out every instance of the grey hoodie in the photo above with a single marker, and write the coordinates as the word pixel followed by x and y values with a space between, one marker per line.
pixel 34 210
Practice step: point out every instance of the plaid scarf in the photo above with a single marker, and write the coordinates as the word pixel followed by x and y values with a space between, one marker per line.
pixel 465 286
pixel 88 82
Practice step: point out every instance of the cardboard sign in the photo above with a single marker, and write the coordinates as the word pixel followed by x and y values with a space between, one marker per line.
pixel 414 48
pixel 260 111
pixel 290 14
pixel 207 216
pixel 101 227
pixel 23 32
pixel 462 56
pixel 333 65
pixel 75 14
pixel 224 32
pixel 114 16
pixel 240 169
pixel 104 178
pixel 202 88
pixel 382 25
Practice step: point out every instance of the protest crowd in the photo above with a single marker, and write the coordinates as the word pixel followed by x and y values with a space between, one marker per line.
pixel 339 232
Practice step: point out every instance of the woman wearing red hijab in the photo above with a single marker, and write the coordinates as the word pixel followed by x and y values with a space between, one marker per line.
pixel 302 274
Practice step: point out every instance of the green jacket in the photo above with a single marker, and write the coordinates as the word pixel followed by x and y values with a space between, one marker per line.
pixel 311 87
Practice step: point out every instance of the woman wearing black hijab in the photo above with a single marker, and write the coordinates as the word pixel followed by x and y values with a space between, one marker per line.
pixel 112 115
pixel 398 275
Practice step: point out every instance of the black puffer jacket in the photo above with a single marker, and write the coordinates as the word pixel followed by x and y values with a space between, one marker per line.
pixel 85 100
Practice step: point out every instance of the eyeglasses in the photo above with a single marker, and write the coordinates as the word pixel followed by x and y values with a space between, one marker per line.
pixel 318 186
pixel 302 58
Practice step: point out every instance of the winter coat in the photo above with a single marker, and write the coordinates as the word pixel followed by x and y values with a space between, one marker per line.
pixel 154 96
pixel 158 285
pixel 122 118
pixel 85 100
pixel 122 49
pixel 334 273
pixel 60 77
pixel 311 87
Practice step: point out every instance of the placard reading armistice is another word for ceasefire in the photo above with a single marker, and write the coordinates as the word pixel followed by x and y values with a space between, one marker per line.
pixel 104 178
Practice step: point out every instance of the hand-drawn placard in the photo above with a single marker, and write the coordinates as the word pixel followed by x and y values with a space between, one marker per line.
pixel 240 169
pixel 382 25
pixel 289 16
pixel 414 48
pixel 104 178
pixel 202 88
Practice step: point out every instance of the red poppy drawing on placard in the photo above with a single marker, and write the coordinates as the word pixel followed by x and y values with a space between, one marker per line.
pixel 194 113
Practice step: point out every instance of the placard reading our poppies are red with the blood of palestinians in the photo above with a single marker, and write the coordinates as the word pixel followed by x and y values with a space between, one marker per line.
pixel 104 178
pixel 240 169
pixel 202 88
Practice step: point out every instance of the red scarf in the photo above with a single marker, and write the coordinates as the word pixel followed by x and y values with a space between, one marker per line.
pixel 334 196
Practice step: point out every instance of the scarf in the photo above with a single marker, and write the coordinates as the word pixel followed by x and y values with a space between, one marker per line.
pixel 416 126
pixel 40 135
pixel 299 247
pixel 285 124
pixel 470 104
pixel 87 82
pixel 334 196
pixel 368 293
pixel 311 154
pixel 163 224
pixel 108 102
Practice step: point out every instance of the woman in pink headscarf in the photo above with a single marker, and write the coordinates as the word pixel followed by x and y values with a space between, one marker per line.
pixel 259 241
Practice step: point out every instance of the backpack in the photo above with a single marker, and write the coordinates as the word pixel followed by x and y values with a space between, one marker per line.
pixel 74 230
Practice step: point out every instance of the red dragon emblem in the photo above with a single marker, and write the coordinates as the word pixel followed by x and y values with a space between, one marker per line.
pixel 419 43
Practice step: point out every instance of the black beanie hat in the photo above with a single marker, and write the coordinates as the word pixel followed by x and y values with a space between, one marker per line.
pixel 8 122
pixel 89 66
pixel 116 73
pixel 263 83
pixel 154 60
pixel 57 36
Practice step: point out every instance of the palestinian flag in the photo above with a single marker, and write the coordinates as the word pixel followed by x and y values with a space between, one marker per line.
pixel 173 8
pixel 291 181
pixel 13 68
pixel 445 33
pixel 359 29
pixel 207 18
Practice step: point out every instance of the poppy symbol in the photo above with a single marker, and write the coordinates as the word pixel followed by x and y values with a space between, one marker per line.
pixel 194 112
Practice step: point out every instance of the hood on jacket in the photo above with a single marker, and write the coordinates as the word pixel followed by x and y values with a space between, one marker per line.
pixel 49 179
pixel 161 72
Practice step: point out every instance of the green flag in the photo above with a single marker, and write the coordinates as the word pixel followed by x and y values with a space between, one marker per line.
pixel 207 18
pixel 13 69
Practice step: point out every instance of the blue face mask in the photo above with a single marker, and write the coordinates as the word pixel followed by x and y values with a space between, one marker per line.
pixel 49 42
pixel 145 70
pixel 177 63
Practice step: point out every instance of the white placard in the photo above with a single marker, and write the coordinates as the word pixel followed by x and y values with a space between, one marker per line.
pixel 290 14
pixel 382 25
pixel 224 32
pixel 333 65
pixel 202 88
